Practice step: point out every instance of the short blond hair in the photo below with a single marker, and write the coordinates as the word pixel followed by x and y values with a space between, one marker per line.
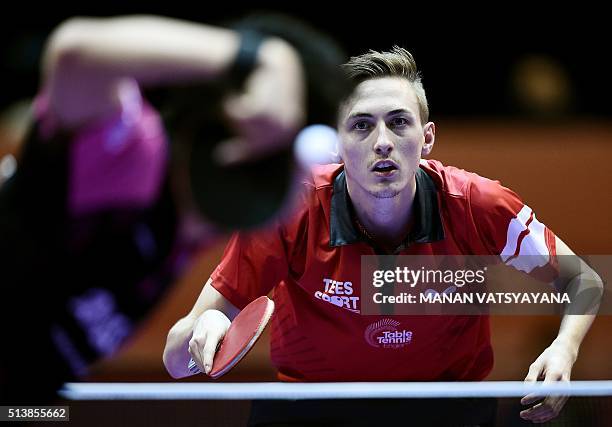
pixel 398 62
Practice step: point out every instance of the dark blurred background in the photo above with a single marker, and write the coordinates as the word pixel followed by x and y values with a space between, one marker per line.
pixel 514 61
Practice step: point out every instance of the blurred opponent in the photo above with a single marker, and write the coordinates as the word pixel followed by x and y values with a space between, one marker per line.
pixel 150 136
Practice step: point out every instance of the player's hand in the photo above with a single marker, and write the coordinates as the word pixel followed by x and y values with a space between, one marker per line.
pixel 554 364
pixel 271 110
pixel 208 331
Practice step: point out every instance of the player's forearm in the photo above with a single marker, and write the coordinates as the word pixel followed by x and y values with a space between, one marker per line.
pixel 572 331
pixel 585 292
pixel 150 49
pixel 86 58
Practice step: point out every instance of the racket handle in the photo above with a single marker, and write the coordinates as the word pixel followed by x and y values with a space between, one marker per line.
pixel 193 368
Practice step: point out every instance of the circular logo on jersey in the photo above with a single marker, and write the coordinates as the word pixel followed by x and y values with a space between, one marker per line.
pixel 385 333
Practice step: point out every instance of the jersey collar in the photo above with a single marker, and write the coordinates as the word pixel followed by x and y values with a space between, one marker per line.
pixel 427 227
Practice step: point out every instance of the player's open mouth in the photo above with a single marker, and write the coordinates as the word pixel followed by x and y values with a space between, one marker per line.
pixel 385 168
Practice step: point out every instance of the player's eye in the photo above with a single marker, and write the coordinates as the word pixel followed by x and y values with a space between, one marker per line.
pixel 399 122
pixel 361 125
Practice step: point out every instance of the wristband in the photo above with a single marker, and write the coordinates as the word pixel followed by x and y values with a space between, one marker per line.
pixel 246 58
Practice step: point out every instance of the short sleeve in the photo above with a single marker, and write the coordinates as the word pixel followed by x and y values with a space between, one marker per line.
pixel 510 229
pixel 253 263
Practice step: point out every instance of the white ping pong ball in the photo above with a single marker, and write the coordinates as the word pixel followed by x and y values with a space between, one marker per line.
pixel 316 144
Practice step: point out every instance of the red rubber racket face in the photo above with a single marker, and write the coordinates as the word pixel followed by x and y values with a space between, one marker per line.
pixel 242 335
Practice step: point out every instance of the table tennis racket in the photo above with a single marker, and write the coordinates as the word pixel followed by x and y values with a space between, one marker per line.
pixel 241 336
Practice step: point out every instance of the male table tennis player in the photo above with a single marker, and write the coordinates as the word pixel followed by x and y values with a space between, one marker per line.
pixel 102 213
pixel 383 199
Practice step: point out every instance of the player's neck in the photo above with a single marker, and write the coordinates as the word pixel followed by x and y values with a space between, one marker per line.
pixel 386 220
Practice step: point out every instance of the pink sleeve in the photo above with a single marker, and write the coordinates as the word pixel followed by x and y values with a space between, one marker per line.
pixel 115 162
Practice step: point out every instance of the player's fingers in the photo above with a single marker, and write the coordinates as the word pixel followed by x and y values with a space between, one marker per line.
pixel 208 353
pixel 534 397
pixel 239 108
pixel 196 347
pixel 546 410
pixel 559 403
pixel 556 403
pixel 531 398
pixel 535 412
pixel 552 376
pixel 547 413
pixel 193 352
pixel 535 370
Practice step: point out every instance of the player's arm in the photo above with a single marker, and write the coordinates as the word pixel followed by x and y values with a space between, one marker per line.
pixel 88 62
pixel 585 288
pixel 503 220
pixel 197 334
pixel 253 263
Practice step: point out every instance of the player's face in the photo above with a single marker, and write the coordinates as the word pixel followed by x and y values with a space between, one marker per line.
pixel 381 136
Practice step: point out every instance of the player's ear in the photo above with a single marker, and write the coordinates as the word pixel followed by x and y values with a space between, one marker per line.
pixel 429 133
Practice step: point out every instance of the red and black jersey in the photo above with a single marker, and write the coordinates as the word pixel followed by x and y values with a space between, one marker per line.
pixel 312 263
